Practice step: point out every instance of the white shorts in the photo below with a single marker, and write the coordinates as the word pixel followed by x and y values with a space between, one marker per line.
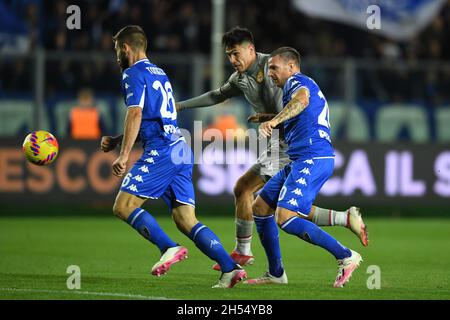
pixel 271 161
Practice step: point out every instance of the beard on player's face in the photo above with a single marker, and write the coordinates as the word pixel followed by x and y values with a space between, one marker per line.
pixel 124 61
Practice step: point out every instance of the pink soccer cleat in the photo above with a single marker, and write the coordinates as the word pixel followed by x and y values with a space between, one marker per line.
pixel 171 256
pixel 240 259
pixel 346 267
pixel 230 279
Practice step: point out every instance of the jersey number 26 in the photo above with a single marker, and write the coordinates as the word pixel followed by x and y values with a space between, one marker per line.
pixel 168 102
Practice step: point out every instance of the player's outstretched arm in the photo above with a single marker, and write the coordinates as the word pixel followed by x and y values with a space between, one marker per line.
pixel 299 101
pixel 131 131
pixel 205 100
pixel 209 98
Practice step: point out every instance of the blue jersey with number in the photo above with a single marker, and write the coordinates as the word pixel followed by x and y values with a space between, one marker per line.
pixel 307 134
pixel 148 87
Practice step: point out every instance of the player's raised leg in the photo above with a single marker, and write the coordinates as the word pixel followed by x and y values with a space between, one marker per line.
pixel 348 260
pixel 351 219
pixel 128 208
pixel 207 241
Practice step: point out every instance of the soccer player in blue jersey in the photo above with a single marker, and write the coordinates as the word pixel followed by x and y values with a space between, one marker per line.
pixel 291 192
pixel 165 168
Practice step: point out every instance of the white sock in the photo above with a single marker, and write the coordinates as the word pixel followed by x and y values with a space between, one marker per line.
pixel 328 217
pixel 244 231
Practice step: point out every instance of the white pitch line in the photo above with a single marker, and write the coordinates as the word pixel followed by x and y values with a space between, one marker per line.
pixel 105 294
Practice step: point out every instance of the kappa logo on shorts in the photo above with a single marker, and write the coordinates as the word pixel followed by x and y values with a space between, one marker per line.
pixel 305 171
pixel 293 202
pixel 144 168
pixel 138 178
pixel 309 161
pixel 133 188
pixel 154 153
pixel 298 192
pixel 150 160
pixel 301 181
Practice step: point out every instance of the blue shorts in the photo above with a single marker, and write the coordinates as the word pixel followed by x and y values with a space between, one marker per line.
pixel 164 172
pixel 296 186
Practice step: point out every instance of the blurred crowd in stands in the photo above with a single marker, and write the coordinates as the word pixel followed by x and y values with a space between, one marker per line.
pixel 184 26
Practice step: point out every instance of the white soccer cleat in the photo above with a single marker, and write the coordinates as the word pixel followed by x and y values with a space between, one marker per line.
pixel 267 278
pixel 346 267
pixel 230 279
pixel 171 256
pixel 356 224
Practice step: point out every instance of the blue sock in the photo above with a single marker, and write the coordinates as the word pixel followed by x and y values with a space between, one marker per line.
pixel 268 234
pixel 309 232
pixel 210 245
pixel 147 226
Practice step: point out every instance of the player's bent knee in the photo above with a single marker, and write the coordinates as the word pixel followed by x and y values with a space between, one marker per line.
pixel 125 204
pixel 241 189
pixel 261 208
pixel 122 210
pixel 184 218
pixel 118 210
pixel 282 215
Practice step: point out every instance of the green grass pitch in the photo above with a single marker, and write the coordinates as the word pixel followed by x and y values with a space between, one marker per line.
pixel 413 256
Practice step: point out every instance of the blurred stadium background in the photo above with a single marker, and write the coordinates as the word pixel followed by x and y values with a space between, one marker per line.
pixel 389 99
pixel 388 91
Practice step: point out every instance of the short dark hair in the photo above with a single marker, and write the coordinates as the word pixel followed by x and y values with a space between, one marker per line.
pixel 132 35
pixel 237 35
pixel 287 53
